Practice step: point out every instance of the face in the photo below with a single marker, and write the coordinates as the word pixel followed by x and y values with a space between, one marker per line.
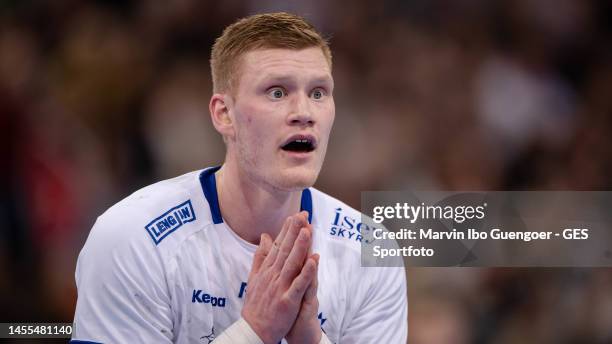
pixel 282 113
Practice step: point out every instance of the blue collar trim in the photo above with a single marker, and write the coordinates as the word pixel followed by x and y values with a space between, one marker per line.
pixel 209 186
pixel 306 203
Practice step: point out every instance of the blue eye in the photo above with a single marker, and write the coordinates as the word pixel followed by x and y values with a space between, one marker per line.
pixel 317 93
pixel 276 93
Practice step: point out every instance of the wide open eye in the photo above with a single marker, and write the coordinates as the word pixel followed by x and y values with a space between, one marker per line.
pixel 276 93
pixel 317 93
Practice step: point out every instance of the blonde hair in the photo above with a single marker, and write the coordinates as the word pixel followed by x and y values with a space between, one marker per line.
pixel 260 31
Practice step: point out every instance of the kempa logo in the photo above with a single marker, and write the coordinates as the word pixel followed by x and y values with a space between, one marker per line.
pixel 199 297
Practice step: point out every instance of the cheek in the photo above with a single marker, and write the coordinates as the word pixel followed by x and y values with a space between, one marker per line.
pixel 328 118
pixel 260 121
pixel 248 116
pixel 245 118
pixel 253 129
pixel 251 113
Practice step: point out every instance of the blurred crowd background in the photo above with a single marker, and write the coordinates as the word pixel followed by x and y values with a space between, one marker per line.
pixel 100 98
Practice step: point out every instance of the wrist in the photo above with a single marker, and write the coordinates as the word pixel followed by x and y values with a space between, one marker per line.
pixel 318 336
pixel 311 335
pixel 239 332
pixel 262 332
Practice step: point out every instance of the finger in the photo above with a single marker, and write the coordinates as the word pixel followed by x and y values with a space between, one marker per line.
pixel 288 223
pixel 303 218
pixel 286 246
pixel 310 296
pixel 312 236
pixel 302 281
pixel 263 249
pixel 271 258
pixel 295 261
pixel 299 220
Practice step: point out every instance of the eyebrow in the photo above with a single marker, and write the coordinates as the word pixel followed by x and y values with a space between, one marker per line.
pixel 323 79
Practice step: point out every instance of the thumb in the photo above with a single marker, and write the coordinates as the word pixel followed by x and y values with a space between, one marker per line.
pixel 311 293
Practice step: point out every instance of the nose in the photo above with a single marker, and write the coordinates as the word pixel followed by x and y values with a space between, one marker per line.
pixel 301 112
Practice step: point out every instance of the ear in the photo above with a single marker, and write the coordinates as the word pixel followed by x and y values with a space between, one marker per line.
pixel 220 114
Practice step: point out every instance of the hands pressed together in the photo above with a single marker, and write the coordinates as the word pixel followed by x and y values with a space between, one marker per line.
pixel 281 300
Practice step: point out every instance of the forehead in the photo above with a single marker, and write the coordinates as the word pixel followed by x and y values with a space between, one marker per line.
pixel 260 64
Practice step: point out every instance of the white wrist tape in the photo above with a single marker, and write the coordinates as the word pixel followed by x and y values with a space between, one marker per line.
pixel 239 332
pixel 324 339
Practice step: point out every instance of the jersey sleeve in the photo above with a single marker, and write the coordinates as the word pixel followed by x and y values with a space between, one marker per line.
pixel 122 291
pixel 382 316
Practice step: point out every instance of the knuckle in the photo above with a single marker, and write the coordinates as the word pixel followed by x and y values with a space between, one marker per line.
pixel 299 288
pixel 284 304
pixel 294 266
pixel 273 277
pixel 282 256
pixel 315 303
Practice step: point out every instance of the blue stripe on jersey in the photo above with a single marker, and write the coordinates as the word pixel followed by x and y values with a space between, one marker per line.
pixel 306 203
pixel 209 186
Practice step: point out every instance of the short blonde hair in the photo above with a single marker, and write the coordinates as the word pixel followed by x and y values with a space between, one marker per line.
pixel 260 31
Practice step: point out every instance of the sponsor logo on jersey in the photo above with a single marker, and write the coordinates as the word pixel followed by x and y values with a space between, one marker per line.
pixel 347 227
pixel 200 297
pixel 210 337
pixel 242 291
pixel 170 221
pixel 321 319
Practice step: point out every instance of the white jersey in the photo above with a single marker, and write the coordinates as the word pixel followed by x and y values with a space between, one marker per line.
pixel 161 266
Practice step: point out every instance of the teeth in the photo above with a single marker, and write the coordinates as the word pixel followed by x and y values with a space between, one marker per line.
pixel 299 145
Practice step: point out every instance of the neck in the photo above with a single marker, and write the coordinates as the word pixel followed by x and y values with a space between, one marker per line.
pixel 250 208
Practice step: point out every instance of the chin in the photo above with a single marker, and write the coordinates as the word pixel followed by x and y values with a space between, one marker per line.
pixel 296 179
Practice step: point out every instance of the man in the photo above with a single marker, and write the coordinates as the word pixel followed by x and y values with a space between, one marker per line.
pixel 171 263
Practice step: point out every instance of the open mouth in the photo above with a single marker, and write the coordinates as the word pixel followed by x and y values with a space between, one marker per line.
pixel 299 145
